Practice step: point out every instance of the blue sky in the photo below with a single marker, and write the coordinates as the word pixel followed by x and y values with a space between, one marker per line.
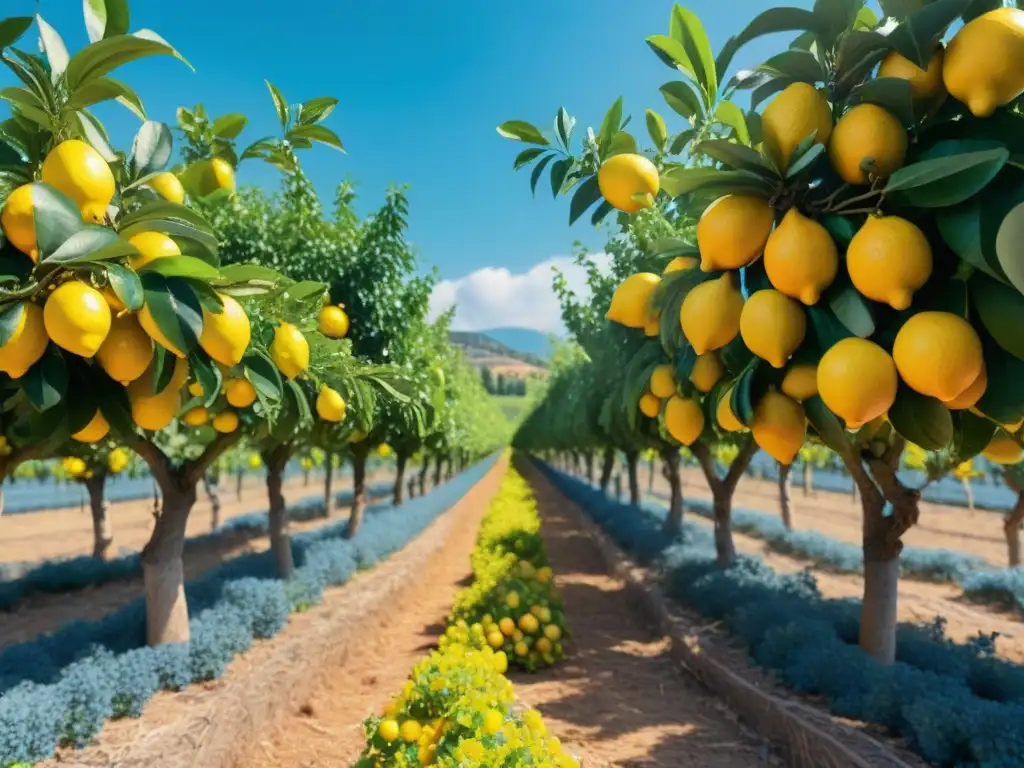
pixel 421 88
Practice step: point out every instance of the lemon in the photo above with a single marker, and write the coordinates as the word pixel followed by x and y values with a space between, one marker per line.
pixel 333 322
pixel 195 389
pixel 204 177
pixel 226 334
pixel 938 354
pixel 151 246
pixel 528 623
pixel 152 329
pixel 706 372
pixel 493 721
pixel 630 300
pixel 507 626
pixel 126 352
pixel 684 419
pixel 779 426
pixel 663 381
pixel 925 84
pixel 94 431
pixel 772 326
pixel 19 223
pixel 389 731
pixel 970 396
pixel 168 187
pixel 800 258
pixel 225 422
pixel 732 232
pixel 681 264
pixel 545 574
pixel 857 380
pixel 800 382
pixel 553 632
pixel 155 411
pixel 889 259
pixel 1003 449
pixel 410 731
pixel 791 117
pixel 512 600
pixel 81 173
pixel 77 318
pixel 710 313
pixel 544 645
pixel 622 177
pixel 495 640
pixel 26 345
pixel 330 405
pixel 240 393
pixel 867 132
pixel 196 417
pixel 984 64
pixel 521 648
pixel 290 350
pixel 652 325
pixel 649 405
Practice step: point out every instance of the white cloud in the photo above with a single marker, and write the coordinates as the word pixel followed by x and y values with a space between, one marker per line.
pixel 494 297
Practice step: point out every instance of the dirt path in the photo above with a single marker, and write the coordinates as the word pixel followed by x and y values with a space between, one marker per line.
pixel 618 699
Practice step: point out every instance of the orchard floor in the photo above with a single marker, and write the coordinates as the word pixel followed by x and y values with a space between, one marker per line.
pixel 616 700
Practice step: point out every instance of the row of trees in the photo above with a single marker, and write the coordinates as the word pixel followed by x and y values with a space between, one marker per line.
pixel 501 384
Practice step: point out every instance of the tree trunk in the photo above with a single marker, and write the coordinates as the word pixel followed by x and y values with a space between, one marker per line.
pixel 213 492
pixel 355 519
pixel 102 535
pixel 162 570
pixel 674 521
pixel 632 459
pixel 329 485
pixel 650 475
pixel 966 482
pixel 722 490
pixel 438 464
pixel 280 539
pixel 607 465
pixel 589 462
pixel 400 459
pixel 1011 527
pixel 618 486
pixel 239 476
pixel 423 475
pixel 784 473
pixel 412 486
pixel 725 549
pixel 808 478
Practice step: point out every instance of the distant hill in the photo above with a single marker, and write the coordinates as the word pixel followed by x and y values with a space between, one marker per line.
pixel 523 340
pixel 484 351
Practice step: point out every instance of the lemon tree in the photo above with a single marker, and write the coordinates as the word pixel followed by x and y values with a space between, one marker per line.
pixel 91 464
pixel 855 267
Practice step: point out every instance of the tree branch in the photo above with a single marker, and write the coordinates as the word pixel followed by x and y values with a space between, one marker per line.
pixel 157 461
pixel 707 464
pixel 196 468
pixel 740 463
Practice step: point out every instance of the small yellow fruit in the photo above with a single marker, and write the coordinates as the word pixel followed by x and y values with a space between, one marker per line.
pixel 889 259
pixel 867 132
pixel 19 222
pixel 333 322
pixel 545 574
pixel 493 721
pixel 195 389
pixel 650 406
pixel 732 232
pixel 938 354
pixel 330 405
pixel 225 422
pixel 240 393
pixel 727 420
pixel 710 313
pixel 126 352
pixel 544 645
pixel 801 259
pixel 663 382
pixel 772 326
pixel 26 345
pixel 389 731
pixel 153 330
pixel 706 372
pixel 970 396
pixel 857 380
pixel 1003 449
pixel 779 426
pixel 410 731
pixel 155 411
pixel 681 264
pixel 77 318
pixel 925 84
pixel 290 350
pixel 507 626
pixel 652 325
pixel 553 632
pixel 205 177
pixel 168 187
pixel 495 640
pixel 801 382
pixel 528 623
pixel 226 334
pixel 522 649
pixel 94 431
pixel 984 64
pixel 81 173
pixel 621 177
pixel 196 417
pixel 630 300
pixel 151 246
pixel 512 600
pixel 791 117
pixel 684 419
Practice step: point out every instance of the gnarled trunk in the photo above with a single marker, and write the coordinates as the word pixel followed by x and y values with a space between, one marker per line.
pixel 725 548
pixel 163 573
pixel 280 539
pixel 722 490
pixel 1011 527
pixel 784 474
pixel 632 459
pixel 328 484
pixel 212 488
pixel 400 460
pixel 412 486
pixel 355 520
pixel 607 465
pixel 102 535
pixel 424 468
pixel 674 521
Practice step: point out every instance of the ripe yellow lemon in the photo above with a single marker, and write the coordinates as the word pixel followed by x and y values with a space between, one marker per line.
pixel 389 730
pixel 984 64
pixel 553 632
pixel 867 131
pixel 81 173
pixel 970 396
pixel 195 389
pixel 333 322
pixel 155 411
pixel 240 393
pixel 681 264
pixel 196 417
pixel 706 371
pixel 684 419
pixel 779 426
pixel 290 350
pixel 663 382
pixel 801 258
pixel 225 422
pixel 19 223
pixel 205 177
pixel 650 406
pixel 732 232
pixel 168 187
pixel 925 84
pixel 710 313
pixel 528 623
pixel 938 354
pixel 623 176
pixel 151 246
pixel 889 259
pixel 652 326
pixel 857 380
pixel 410 731
pixel 507 626
pixel 330 405
pixel 493 721
pixel 94 431
pixel 26 345
pixel 226 334
pixel 791 117
pixel 800 382
pixel 1003 449
pixel 630 300
pixel 126 352
pixel 772 326
pixel 153 330
pixel 77 318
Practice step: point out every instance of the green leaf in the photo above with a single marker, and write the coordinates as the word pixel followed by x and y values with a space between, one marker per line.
pixel 280 104
pixel 95 134
pixel 971 434
pixel 893 94
pixel 1002 401
pixel 316 110
pixel 520 130
pixel 899 9
pixel 922 420
pixel 104 56
pixel 679 180
pixel 165 210
pixel 601 212
pixel 229 126
pixel 671 247
pixel 558 172
pixel 151 148
pixel 182 266
pixel 320 133
pixel 25 103
pixel 771 21
pixel 825 327
pixel 1000 309
pixel 113 402
pixel 769 89
pixel 738 156
pixel 175 229
pixel 538 169
pixel 126 286
pixel 656 129
pixel 207 374
pixel 859 52
pixel 163 369
pixel 960 227
pixel 611 124
pixel 798 65
pixel 10 317
pixel 682 98
pixel 587 193
pixel 799 164
pixel 175 309
pixel 527 156
pixel 853 311
pixel 12 28
pixel 835 17
pixel 828 426
pixel 918 34
pixel 56 218
pixel 1008 241
pixel 46 383
pixel 681 140
pixel 107 89
pixel 564 125
pixel 263 375
pixel 731 115
pixel 672 54
pixel 91 243
pixel 54 48
pixel 620 143
pixel 947 180
pixel 744 398
pixel 243 273
pixel 735 356
pixel 106 18
pixel 687 28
